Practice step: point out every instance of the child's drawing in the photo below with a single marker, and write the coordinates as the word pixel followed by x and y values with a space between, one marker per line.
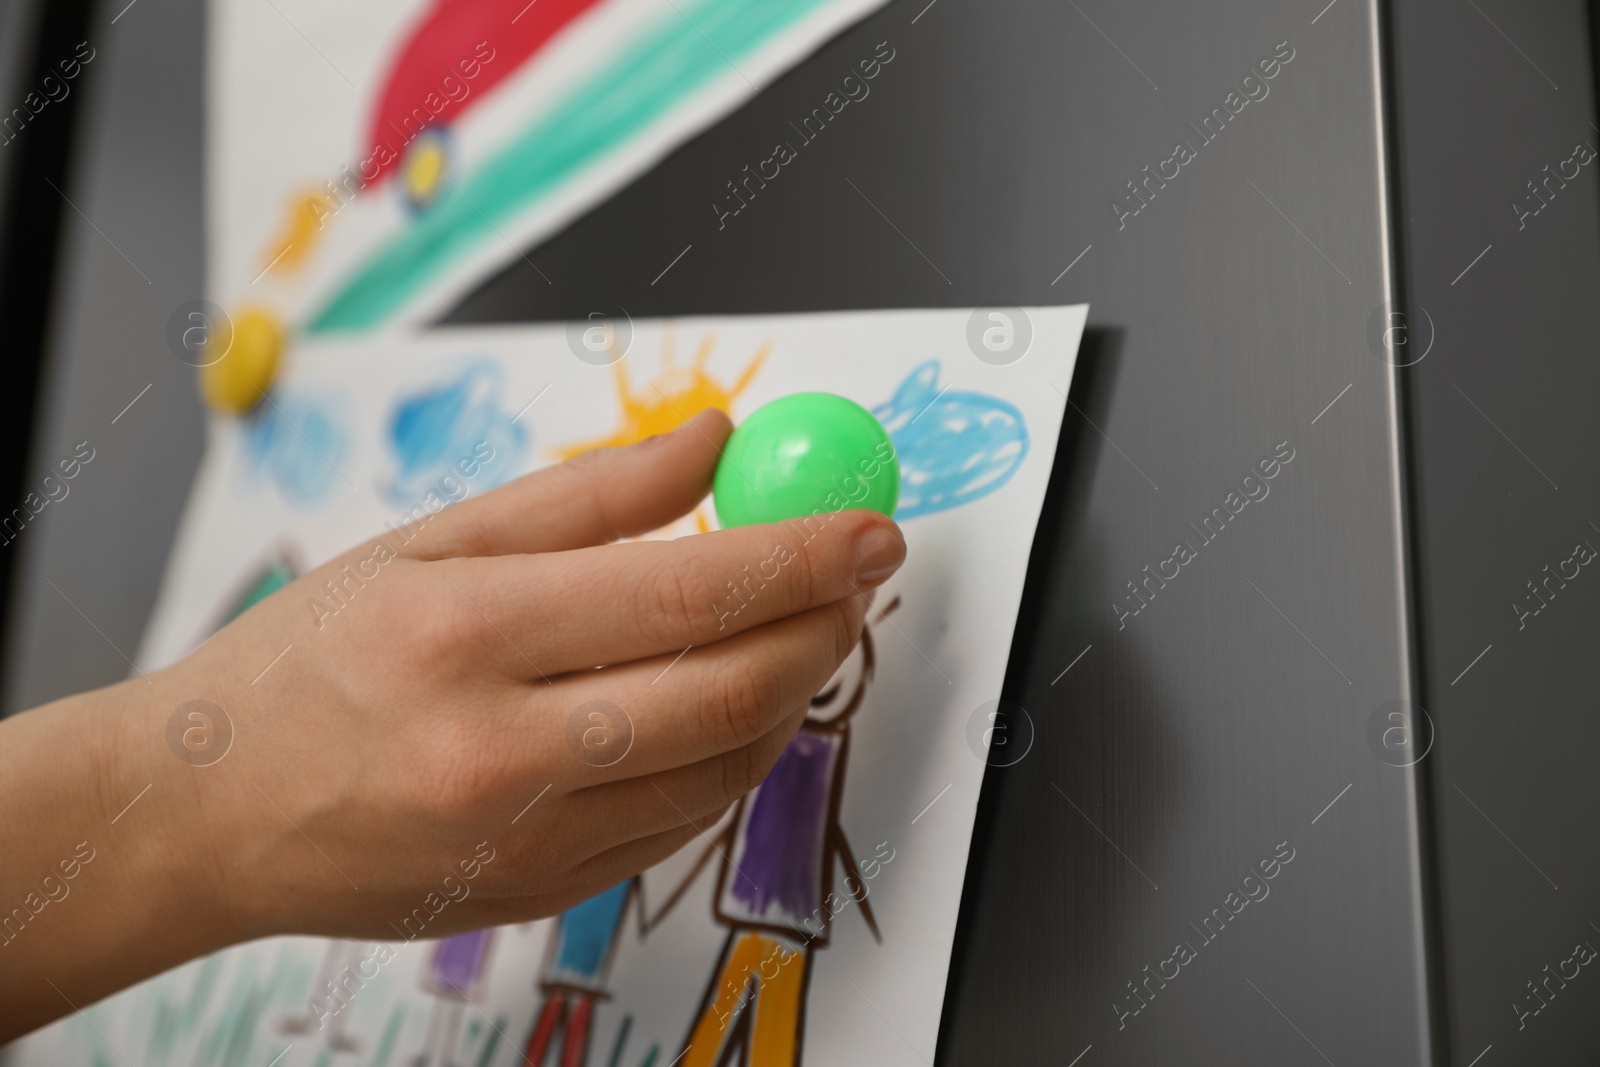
pixel 609 107
pixel 453 977
pixel 289 251
pixel 455 54
pixel 576 966
pixel 339 958
pixel 455 430
pixel 444 67
pixel 775 892
pixel 953 447
pixel 673 398
pixel 296 442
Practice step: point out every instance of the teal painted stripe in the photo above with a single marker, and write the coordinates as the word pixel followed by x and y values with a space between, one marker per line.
pixel 671 60
pixel 391 1034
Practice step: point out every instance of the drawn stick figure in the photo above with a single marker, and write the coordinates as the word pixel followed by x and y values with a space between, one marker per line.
pixel 329 996
pixel 775 888
pixel 454 974
pixel 575 972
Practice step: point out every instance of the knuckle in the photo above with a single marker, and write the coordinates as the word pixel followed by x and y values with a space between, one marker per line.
pixel 742 770
pixel 755 762
pixel 452 533
pixel 804 576
pixel 678 591
pixel 843 627
pixel 431 639
pixel 463 771
pixel 468 532
pixel 742 697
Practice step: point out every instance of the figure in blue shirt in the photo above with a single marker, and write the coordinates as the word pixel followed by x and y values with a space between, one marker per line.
pixel 575 971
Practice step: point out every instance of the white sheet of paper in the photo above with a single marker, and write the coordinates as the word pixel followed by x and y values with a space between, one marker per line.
pixel 317 486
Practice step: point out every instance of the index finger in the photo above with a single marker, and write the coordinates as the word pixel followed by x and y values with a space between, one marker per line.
pixel 655 597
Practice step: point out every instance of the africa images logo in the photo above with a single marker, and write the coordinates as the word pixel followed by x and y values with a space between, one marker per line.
pixel 199 733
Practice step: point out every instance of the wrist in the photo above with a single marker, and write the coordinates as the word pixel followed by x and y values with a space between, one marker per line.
pixel 102 883
pixel 172 757
pixel 160 822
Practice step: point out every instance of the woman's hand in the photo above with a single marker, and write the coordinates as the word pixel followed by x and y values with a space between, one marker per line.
pixel 483 718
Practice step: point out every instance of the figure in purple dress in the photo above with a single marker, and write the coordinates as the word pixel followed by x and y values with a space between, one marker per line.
pixel 775 887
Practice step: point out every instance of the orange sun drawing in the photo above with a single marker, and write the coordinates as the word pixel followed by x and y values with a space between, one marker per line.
pixel 673 398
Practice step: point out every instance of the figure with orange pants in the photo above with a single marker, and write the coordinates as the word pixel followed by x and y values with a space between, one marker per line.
pixel 775 887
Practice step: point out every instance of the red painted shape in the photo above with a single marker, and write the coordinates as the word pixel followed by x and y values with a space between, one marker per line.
pixel 455 54
pixel 575 1046
pixel 539 1042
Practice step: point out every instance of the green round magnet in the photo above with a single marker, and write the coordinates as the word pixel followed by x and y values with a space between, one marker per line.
pixel 805 454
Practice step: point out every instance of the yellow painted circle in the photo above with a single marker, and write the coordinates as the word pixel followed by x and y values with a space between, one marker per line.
pixel 235 381
pixel 424 169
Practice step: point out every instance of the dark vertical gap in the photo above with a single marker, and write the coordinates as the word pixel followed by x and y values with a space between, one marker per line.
pixel 1065 502
pixel 1410 470
pixel 31 227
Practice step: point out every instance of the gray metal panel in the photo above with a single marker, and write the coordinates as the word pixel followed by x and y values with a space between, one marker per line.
pixel 132 254
pixel 1226 315
pixel 1506 436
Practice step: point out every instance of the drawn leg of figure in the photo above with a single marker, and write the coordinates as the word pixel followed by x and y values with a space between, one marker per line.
pixel 575 1042
pixel 453 1032
pixel 544 1030
pixel 337 1039
pixel 425 1057
pixel 741 957
pixel 303 1024
pixel 780 1006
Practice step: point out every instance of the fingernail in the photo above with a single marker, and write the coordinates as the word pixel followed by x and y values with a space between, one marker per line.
pixel 879 552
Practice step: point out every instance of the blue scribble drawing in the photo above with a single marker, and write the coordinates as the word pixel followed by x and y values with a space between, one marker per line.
pixel 953 447
pixel 296 442
pixel 449 429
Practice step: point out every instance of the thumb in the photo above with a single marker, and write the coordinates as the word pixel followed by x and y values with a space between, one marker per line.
pixel 594 499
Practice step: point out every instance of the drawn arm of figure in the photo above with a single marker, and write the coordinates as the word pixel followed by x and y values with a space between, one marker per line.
pixel 841 845
pixel 637 903
pixel 725 838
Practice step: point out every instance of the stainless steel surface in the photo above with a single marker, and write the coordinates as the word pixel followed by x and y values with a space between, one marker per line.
pixel 1506 435
pixel 131 253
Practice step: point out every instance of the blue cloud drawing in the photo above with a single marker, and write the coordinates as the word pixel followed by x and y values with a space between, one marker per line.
pixel 433 431
pixel 296 442
pixel 953 447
